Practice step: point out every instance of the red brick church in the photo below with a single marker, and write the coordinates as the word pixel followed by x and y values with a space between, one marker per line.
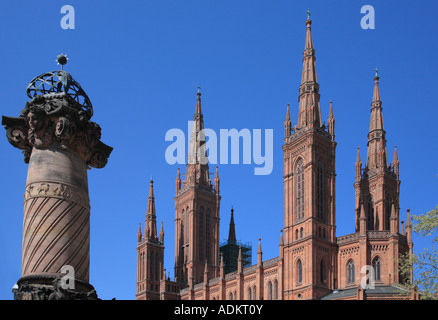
pixel 313 262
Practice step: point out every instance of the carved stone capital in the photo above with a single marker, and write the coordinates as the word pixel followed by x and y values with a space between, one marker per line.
pixel 55 121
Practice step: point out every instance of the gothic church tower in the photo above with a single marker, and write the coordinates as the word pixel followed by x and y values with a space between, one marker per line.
pixel 150 254
pixel 309 191
pixel 197 204
pixel 377 185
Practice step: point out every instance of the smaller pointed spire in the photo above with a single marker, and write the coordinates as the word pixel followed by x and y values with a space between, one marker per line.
pixel 331 122
pixel 178 182
pixel 403 228
pixel 139 235
pixel 408 219
pixel 331 110
pixel 162 233
pixel 395 154
pixel 395 163
pixel 232 231
pixel 358 166
pixel 259 253
pixel 287 124
pixel 217 181
pixel 408 226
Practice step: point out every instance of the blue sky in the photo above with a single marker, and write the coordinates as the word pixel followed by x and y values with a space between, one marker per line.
pixel 140 62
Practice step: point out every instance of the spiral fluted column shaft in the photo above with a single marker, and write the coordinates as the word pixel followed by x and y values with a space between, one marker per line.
pixel 56 225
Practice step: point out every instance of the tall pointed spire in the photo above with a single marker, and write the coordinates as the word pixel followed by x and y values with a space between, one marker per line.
pixel 197 149
pixel 377 153
pixel 197 139
pixel 151 222
pixel 232 232
pixel 309 113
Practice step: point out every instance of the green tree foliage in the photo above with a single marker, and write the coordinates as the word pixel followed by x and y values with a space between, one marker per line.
pixel 421 269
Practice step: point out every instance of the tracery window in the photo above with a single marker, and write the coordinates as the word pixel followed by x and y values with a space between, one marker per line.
pixel 299 271
pixel 350 271
pixel 376 267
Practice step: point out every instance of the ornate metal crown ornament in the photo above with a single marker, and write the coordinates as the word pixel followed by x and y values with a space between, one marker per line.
pixel 58 82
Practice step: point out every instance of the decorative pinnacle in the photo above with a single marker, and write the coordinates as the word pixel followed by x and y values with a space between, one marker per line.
pixel 377 72
pixel 308 14
pixel 62 60
pixel 199 89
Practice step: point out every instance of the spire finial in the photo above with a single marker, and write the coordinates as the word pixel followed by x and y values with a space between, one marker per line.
pixel 62 60
pixel 377 71
pixel 199 88
pixel 308 14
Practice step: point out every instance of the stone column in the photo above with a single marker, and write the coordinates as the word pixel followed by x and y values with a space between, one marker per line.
pixel 59 143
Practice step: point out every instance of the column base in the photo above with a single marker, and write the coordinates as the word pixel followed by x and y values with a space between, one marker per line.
pixel 49 287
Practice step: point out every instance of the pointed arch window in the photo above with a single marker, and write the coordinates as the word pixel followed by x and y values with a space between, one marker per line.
pixel 376 267
pixel 270 290
pixel 300 190
pixel 276 290
pixel 299 272
pixel 320 191
pixel 249 293
pixel 350 272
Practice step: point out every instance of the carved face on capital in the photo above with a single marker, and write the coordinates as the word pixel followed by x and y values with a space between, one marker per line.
pixel 35 121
